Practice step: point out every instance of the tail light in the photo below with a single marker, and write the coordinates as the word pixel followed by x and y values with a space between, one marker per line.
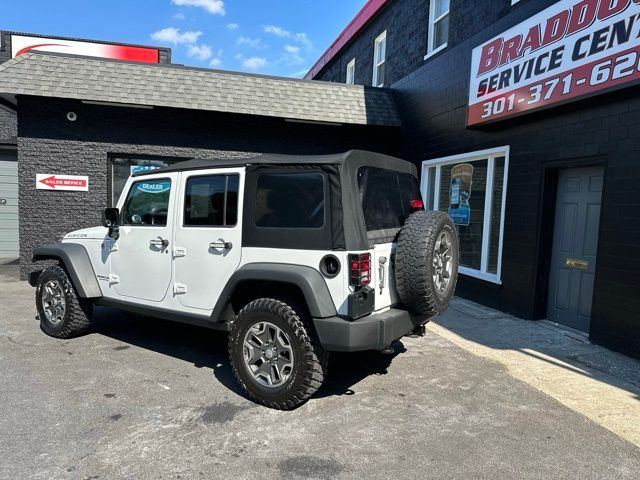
pixel 359 269
pixel 416 204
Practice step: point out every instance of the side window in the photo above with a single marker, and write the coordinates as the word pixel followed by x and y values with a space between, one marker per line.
pixel 147 203
pixel 351 72
pixel 438 26
pixel 211 201
pixel 290 200
pixel 386 197
pixel 379 59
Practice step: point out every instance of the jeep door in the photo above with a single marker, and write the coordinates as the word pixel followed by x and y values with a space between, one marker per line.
pixel 208 235
pixel 140 258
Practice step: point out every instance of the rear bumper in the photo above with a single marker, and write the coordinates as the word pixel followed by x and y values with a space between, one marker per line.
pixel 373 332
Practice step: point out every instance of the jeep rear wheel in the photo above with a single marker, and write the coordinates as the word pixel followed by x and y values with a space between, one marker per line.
pixel 427 262
pixel 62 314
pixel 275 354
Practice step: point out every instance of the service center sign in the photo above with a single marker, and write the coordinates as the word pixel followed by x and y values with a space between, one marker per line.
pixel 73 183
pixel 21 44
pixel 570 50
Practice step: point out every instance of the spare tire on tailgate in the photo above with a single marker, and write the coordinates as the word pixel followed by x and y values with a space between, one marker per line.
pixel 427 262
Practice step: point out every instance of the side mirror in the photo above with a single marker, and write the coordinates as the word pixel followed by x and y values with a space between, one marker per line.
pixel 110 217
pixel 111 220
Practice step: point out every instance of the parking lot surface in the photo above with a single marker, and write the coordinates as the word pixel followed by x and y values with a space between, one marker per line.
pixel 143 398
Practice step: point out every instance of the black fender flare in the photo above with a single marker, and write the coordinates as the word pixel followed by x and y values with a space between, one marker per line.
pixel 309 280
pixel 77 264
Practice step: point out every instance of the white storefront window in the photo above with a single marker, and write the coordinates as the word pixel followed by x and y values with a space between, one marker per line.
pixel 472 189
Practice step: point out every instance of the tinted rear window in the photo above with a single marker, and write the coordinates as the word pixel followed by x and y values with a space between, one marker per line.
pixel 386 197
pixel 290 200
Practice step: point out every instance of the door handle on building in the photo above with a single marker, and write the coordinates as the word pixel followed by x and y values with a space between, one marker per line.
pixel 159 242
pixel 221 245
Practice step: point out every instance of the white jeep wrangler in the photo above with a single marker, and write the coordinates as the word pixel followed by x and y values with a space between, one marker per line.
pixel 294 256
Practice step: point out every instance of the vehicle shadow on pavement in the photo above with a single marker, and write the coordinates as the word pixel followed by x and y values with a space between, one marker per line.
pixel 206 348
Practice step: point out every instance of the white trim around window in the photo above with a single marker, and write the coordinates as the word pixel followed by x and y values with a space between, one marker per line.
pixel 351 72
pixel 379 59
pixel 436 19
pixel 430 188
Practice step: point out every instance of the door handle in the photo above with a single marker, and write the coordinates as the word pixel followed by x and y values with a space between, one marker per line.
pixel 221 245
pixel 159 242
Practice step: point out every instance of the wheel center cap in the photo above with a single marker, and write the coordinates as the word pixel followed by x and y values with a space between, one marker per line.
pixel 269 354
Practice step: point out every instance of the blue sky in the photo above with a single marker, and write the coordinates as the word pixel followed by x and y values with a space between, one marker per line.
pixel 276 37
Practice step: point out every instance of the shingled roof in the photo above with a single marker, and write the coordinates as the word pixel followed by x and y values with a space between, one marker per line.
pixel 94 79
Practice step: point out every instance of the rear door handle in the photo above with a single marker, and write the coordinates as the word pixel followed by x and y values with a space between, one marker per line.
pixel 159 242
pixel 221 245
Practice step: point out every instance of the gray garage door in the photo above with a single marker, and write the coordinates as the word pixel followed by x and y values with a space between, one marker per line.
pixel 8 205
pixel 575 244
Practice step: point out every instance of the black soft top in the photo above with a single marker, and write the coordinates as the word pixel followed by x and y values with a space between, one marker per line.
pixel 357 158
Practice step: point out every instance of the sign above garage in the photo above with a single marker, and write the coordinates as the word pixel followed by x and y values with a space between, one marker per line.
pixel 21 44
pixel 570 50
pixel 74 183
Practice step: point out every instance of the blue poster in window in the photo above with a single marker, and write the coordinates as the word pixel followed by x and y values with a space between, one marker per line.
pixel 460 193
pixel 143 168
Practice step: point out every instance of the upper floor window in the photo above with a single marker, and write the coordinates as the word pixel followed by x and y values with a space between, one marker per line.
pixel 351 72
pixel 438 25
pixel 379 59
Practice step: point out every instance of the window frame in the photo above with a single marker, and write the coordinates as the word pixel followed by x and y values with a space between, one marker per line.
pixel 149 180
pixel 431 30
pixel 114 157
pixel 490 155
pixel 351 72
pixel 376 48
pixel 185 182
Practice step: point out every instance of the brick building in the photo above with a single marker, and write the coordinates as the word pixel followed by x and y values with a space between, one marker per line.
pixel 551 230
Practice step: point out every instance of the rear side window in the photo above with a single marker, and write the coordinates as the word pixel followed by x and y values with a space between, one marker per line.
pixel 147 203
pixel 211 201
pixel 386 197
pixel 290 200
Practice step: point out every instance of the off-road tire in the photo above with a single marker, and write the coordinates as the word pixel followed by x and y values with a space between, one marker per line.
pixel 310 359
pixel 78 312
pixel 414 267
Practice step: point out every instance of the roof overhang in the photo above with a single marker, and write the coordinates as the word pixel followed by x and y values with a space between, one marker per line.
pixel 105 81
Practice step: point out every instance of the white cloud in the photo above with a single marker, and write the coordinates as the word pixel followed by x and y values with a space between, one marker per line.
pixel 292 49
pixel 251 42
pixel 278 31
pixel 215 7
pixel 175 36
pixel 254 63
pixel 199 52
pixel 215 62
pixel 283 33
pixel 233 26
pixel 179 16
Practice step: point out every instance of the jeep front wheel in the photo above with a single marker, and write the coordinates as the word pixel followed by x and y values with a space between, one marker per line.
pixel 62 314
pixel 275 355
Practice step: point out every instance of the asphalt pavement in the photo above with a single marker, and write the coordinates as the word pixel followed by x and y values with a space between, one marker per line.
pixel 144 398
